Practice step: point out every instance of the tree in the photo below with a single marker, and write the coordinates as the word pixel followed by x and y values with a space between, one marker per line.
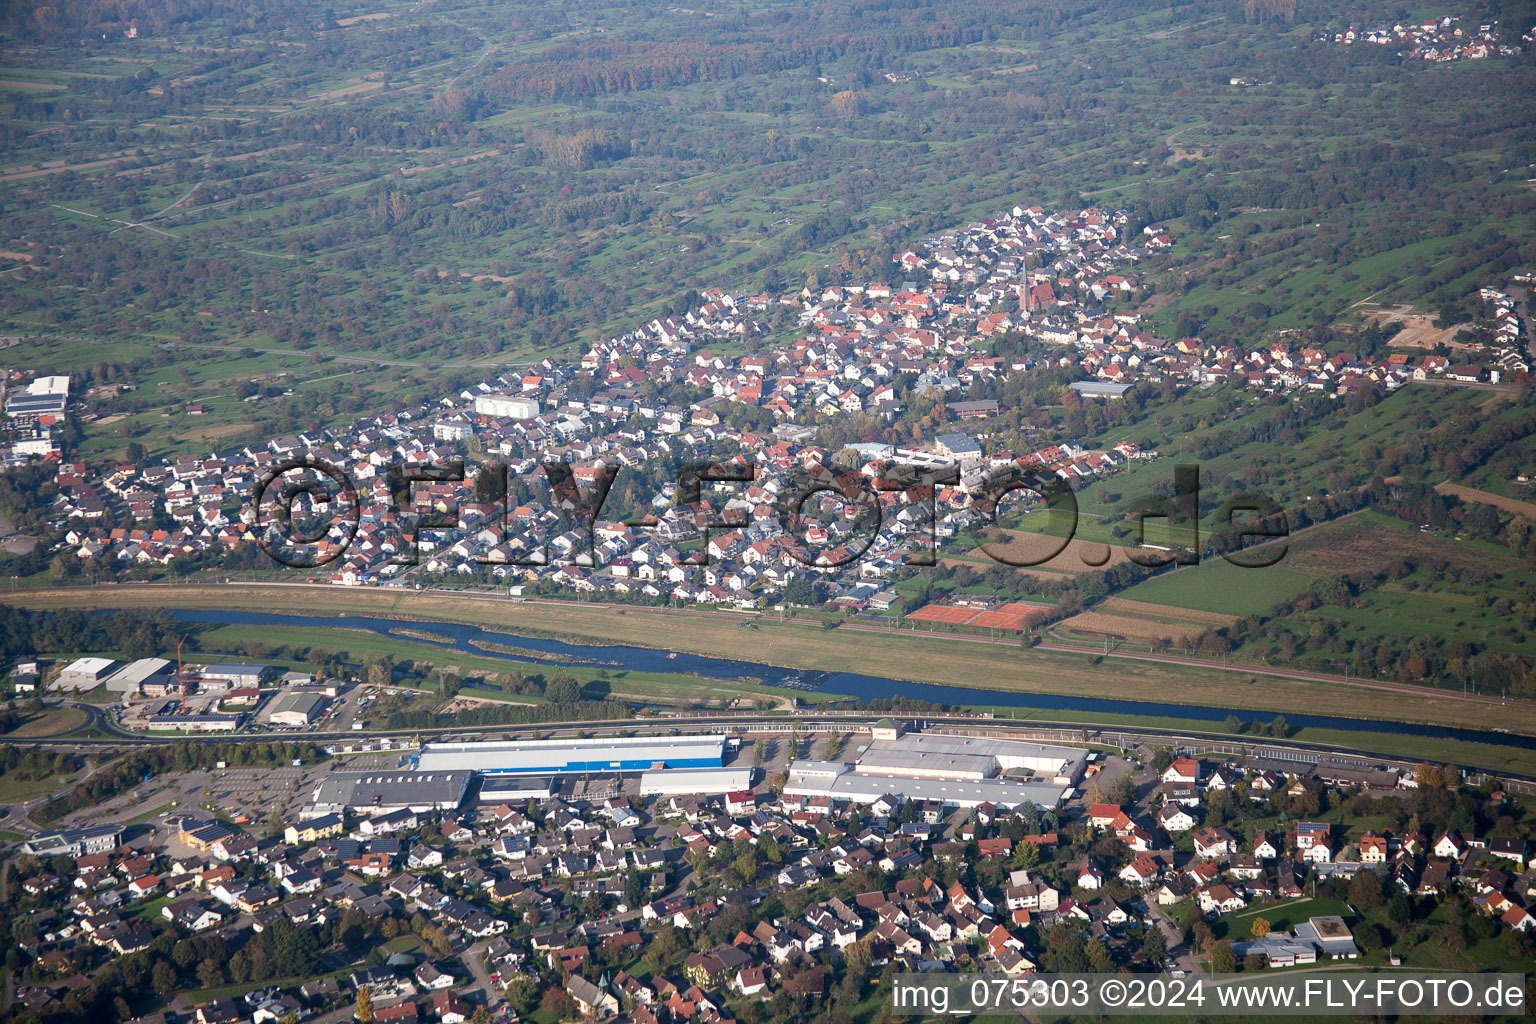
pixel 557 1004
pixel 1260 927
pixel 1162 757
pixel 563 690
pixel 1234 724
pixel 1026 855
pixel 381 671
pixel 363 1011
pixel 1099 960
pixel 1155 946
pixel 209 972
pixel 1223 960
pixel 162 978
pixel 491 483
pixel 799 591
pixel 1365 890
pixel 523 994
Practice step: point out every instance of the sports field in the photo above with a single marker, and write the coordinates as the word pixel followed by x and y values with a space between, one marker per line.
pixel 1012 615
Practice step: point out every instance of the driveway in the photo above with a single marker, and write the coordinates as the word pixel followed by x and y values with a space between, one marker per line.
pixel 473 958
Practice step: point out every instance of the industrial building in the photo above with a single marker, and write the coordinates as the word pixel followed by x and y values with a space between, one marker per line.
pixel 297 709
pixel 517 407
pixel 509 789
pixel 936 756
pixel 44 396
pixel 86 673
pixel 959 771
pixel 75 842
pixel 206 721
pixel 838 781
pixel 226 676
pixel 146 672
pixel 567 756
pixel 379 792
pixel 1101 389
pixel 695 781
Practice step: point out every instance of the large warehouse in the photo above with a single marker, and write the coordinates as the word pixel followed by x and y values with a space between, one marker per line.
pixel 86 673
pixel 145 671
pixel 935 756
pixel 379 792
pixel 960 771
pixel 224 676
pixel 297 710
pixel 564 757
pixel 842 782
pixel 695 781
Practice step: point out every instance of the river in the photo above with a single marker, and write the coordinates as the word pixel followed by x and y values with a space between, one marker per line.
pixel 850 684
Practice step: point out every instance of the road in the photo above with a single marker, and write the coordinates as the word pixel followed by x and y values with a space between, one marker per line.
pixel 1181 953
pixel 473 958
pixel 14 542
pixel 22 813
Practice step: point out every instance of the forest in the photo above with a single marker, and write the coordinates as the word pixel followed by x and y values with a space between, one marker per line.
pixel 462 185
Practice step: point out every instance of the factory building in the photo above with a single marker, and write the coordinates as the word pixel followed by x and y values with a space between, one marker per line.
pixel 86 673
pixel 840 782
pixel 934 756
pixel 297 709
pixel 379 792
pixel 512 789
pixel 959 771
pixel 568 756
pixel 695 781
pixel 209 721
pixel 227 676
pixel 45 396
pixel 152 673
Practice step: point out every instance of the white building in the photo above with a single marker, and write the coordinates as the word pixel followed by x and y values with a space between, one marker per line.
pixel 695 781
pixel 86 673
pixel 517 407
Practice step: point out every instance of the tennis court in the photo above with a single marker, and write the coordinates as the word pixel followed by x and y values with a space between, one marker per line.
pixel 1007 616
pixel 945 613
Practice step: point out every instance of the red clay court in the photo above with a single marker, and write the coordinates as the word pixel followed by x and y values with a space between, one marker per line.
pixel 1008 616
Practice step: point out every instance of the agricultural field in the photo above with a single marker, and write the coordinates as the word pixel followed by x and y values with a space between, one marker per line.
pixel 440 191
pixel 1219 586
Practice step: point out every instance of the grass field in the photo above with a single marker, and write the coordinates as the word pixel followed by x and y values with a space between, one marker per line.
pixel 1216 585
pixel 51 722
pixel 921 658
pixel 15 790
pixel 426 659
pixel 1282 916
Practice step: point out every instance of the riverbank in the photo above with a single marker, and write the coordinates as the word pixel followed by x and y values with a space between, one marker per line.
pixel 915 657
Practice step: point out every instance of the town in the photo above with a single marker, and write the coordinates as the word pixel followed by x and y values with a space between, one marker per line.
pixel 1439 40
pixel 1025 293
pixel 724 876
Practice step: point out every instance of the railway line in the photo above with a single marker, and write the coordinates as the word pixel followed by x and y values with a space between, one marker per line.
pixel 1053 730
